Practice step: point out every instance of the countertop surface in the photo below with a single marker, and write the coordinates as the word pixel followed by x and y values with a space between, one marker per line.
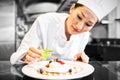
pixel 104 70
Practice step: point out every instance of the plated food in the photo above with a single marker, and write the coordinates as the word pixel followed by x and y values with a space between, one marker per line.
pixel 58 69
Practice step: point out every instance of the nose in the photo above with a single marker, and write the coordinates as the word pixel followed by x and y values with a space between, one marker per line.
pixel 80 25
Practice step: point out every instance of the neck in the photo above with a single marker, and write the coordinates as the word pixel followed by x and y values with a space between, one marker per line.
pixel 67 36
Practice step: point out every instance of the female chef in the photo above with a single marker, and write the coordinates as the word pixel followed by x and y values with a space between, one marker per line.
pixel 65 34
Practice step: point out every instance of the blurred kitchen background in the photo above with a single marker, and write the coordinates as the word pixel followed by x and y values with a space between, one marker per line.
pixel 17 16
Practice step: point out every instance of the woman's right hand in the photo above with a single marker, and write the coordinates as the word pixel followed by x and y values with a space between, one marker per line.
pixel 33 55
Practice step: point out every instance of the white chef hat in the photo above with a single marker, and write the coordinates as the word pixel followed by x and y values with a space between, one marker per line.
pixel 100 7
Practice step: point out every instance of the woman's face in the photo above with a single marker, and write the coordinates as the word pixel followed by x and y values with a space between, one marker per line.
pixel 81 19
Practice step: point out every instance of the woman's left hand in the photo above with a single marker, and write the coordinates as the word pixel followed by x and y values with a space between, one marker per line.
pixel 81 57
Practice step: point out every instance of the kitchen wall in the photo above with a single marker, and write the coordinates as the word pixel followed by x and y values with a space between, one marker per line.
pixel 10 32
pixel 114 25
pixel 7 28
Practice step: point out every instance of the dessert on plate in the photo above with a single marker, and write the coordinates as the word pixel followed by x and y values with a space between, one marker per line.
pixel 57 67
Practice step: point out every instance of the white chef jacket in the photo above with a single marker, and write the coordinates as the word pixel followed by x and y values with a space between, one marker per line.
pixel 48 31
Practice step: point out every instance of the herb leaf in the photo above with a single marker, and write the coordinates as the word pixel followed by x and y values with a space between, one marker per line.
pixel 46 53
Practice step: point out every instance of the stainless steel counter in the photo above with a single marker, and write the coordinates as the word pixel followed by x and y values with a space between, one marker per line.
pixel 105 70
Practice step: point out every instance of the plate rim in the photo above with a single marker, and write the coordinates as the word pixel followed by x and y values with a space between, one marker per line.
pixel 58 77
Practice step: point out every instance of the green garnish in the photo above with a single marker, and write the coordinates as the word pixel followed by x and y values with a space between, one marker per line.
pixel 46 53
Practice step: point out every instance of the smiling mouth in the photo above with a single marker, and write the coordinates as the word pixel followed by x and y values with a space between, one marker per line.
pixel 75 29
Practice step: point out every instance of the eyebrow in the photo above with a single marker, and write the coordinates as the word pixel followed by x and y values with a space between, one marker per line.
pixel 90 21
pixel 82 14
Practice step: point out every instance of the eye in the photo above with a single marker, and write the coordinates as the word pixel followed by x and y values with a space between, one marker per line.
pixel 79 17
pixel 87 24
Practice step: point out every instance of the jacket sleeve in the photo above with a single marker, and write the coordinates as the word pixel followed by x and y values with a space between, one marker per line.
pixel 32 38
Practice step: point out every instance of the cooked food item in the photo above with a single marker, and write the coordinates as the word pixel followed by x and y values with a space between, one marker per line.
pixel 58 67
pixel 46 53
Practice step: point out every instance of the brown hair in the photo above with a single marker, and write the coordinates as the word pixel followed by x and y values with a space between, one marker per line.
pixel 78 5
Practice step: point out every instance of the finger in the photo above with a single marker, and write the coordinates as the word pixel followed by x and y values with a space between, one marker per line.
pixel 77 57
pixel 35 50
pixel 81 57
pixel 29 59
pixel 84 58
pixel 32 54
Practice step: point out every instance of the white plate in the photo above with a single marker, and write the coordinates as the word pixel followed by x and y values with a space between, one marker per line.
pixel 31 70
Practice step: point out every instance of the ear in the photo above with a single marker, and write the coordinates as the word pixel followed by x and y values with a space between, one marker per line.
pixel 72 8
